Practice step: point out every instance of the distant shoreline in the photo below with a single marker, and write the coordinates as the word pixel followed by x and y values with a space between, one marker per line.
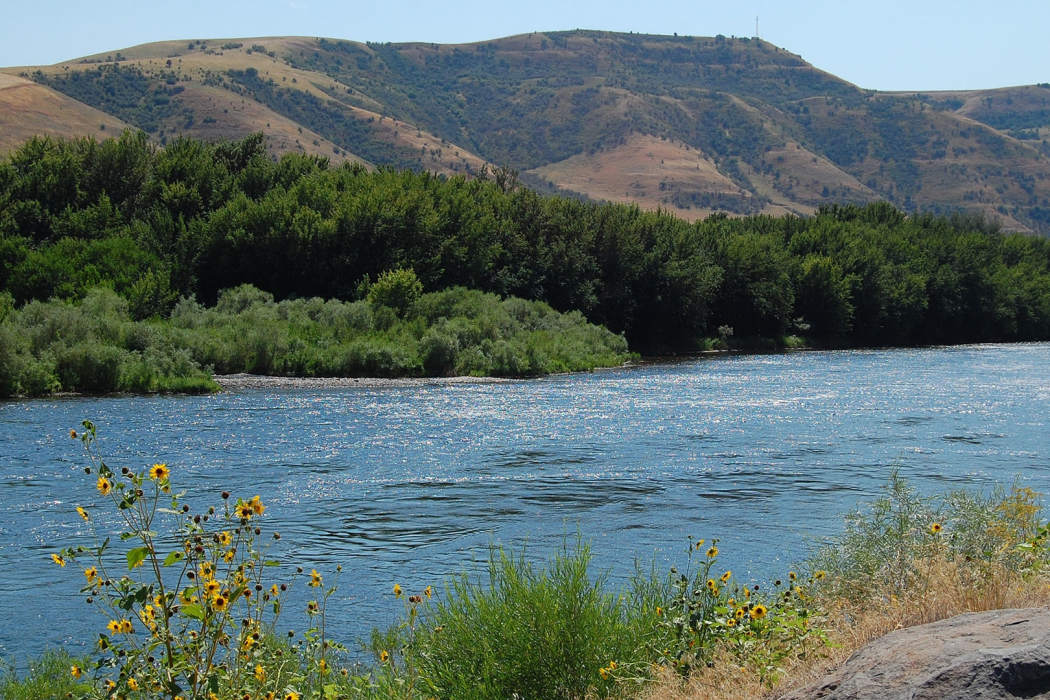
pixel 234 382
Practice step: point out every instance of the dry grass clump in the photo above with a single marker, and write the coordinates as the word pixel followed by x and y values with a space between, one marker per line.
pixel 905 560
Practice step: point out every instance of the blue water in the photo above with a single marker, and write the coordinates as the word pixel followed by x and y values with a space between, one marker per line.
pixel 409 485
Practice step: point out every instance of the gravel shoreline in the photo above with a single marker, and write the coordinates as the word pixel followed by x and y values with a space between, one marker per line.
pixel 234 382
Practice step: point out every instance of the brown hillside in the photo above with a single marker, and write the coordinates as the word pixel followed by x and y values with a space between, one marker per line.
pixel 29 110
pixel 645 170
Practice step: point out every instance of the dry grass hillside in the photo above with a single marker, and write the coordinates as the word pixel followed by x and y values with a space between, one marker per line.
pixel 689 124
pixel 219 112
pixel 29 109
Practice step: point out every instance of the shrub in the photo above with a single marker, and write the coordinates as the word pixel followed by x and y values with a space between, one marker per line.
pixel 890 547
pixel 438 352
pixel 398 289
pixel 95 345
pixel 239 299
pixel 89 366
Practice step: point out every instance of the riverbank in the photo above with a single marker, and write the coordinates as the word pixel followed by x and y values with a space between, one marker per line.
pixel 235 382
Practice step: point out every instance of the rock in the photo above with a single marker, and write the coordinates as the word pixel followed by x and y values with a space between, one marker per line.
pixel 978 656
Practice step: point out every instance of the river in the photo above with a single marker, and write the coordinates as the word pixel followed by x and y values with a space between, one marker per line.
pixel 409 484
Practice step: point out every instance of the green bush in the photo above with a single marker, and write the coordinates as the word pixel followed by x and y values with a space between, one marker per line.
pixel 438 352
pixel 95 346
pixel 523 630
pixel 89 366
pixel 397 289
pixel 92 346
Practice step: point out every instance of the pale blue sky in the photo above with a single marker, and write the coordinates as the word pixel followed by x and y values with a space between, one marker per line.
pixel 883 45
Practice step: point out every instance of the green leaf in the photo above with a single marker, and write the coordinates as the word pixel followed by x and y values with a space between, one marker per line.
pixel 271 563
pixel 137 556
pixel 193 611
pixel 173 558
pixel 140 597
pixel 169 511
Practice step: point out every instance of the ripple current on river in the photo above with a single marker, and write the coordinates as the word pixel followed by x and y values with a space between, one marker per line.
pixel 410 484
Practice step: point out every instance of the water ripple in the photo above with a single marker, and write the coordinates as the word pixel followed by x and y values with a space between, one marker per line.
pixel 412 484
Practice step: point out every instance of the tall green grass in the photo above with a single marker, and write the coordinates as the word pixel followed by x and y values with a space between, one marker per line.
pixel 531 630
pixel 47 678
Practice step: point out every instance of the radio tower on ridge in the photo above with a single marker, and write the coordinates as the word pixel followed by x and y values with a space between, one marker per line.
pixel 756 28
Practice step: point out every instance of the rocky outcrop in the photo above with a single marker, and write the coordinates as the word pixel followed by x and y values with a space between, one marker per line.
pixel 1001 654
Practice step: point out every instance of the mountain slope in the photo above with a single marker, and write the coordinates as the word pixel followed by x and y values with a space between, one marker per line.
pixel 689 124
pixel 28 108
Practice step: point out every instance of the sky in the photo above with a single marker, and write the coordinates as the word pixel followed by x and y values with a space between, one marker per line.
pixel 884 45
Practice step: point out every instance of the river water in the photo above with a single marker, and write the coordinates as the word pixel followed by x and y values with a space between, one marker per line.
pixel 410 484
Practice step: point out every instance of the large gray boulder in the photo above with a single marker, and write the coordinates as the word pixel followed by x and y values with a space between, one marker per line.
pixel 1001 654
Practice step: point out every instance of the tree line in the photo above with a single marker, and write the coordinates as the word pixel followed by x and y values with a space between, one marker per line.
pixel 195 218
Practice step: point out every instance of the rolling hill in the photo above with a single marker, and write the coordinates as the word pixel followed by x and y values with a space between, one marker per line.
pixel 689 124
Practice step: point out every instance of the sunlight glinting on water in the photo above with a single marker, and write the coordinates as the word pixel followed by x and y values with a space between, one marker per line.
pixel 410 484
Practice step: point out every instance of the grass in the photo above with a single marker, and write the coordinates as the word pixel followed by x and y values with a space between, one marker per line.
pixel 903 560
pixel 47 677
pixel 537 631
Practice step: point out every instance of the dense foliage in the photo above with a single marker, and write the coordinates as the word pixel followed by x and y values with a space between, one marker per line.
pixel 194 219
pixel 94 346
